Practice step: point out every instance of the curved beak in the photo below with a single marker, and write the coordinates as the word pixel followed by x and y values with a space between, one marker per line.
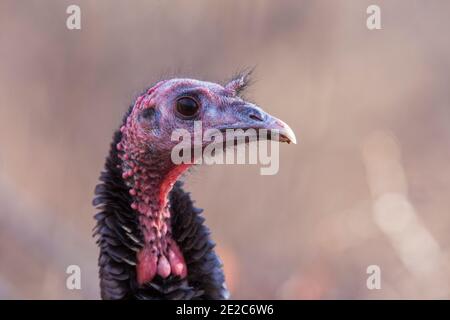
pixel 286 134
pixel 250 116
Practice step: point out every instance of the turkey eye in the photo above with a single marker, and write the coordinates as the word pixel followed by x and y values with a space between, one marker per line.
pixel 187 107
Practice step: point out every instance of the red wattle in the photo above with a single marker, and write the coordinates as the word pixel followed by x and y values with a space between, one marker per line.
pixel 146 265
pixel 176 260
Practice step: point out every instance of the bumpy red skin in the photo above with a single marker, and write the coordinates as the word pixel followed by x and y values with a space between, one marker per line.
pixel 160 254
pixel 150 174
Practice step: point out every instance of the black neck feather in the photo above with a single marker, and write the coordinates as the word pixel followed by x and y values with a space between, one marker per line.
pixel 119 238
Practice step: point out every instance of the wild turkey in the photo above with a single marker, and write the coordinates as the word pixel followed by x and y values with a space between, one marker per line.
pixel 153 243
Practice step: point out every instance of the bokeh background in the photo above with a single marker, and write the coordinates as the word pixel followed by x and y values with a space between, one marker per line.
pixel 368 183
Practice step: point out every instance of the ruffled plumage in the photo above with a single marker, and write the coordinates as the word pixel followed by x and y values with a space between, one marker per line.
pixel 119 238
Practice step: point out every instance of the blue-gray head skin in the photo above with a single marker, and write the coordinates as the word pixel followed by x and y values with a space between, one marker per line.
pixel 145 151
pixel 178 103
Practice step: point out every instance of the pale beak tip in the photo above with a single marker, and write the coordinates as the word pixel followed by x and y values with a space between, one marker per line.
pixel 292 138
pixel 287 133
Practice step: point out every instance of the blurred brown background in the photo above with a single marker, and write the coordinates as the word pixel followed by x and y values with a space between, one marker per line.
pixel 368 183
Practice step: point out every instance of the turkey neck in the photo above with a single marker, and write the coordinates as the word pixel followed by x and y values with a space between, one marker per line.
pixel 150 179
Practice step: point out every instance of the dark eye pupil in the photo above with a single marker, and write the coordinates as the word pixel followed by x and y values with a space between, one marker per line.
pixel 187 107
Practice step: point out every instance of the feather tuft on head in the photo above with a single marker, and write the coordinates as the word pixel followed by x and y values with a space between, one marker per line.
pixel 239 82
